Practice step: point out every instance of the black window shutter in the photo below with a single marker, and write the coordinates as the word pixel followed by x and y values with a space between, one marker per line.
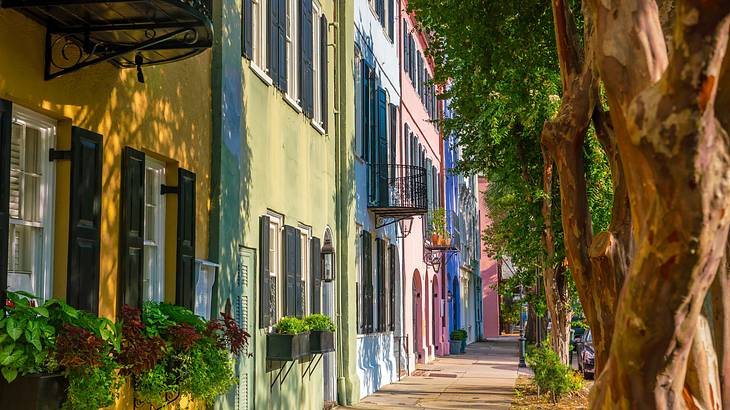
pixel 281 47
pixel 82 288
pixel 306 52
pixel 185 271
pixel 365 134
pixel 413 59
pixel 131 228
pixel 380 269
pixel 267 288
pixel 391 28
pixel 299 287
pixel 291 237
pixel 315 274
pixel 6 125
pixel 367 279
pixel 323 70
pixel 247 29
pixel 382 144
pixel 273 41
pixel 393 138
pixel 392 260
pixel 406 49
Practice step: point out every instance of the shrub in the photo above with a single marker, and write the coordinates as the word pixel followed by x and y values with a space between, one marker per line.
pixel 319 321
pixel 290 326
pixel 551 375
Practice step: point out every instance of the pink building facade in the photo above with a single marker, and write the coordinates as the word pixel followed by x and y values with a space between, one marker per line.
pixel 424 326
pixel 490 273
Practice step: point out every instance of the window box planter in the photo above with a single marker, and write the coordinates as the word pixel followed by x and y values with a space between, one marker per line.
pixel 454 346
pixel 321 341
pixel 33 392
pixel 286 347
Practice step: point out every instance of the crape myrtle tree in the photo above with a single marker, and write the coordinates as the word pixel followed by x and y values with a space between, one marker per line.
pixel 502 92
pixel 653 80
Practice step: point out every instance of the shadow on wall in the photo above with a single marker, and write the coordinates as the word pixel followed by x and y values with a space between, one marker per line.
pixel 377 361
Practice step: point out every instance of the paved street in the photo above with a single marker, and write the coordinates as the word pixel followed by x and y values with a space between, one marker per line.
pixel 483 378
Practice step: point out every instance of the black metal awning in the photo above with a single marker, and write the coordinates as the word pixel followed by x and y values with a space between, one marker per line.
pixel 126 33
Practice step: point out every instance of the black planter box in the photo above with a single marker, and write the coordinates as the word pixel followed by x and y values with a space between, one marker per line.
pixel 321 341
pixel 33 392
pixel 286 347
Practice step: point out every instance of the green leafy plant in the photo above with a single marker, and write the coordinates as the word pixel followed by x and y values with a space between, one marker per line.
pixel 458 335
pixel 319 321
pixel 55 337
pixel 290 326
pixel 551 375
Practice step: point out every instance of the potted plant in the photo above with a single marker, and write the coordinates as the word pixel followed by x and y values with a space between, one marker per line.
pixel 321 333
pixel 463 338
pixel 170 352
pixel 439 227
pixel 54 355
pixel 455 340
pixel 289 341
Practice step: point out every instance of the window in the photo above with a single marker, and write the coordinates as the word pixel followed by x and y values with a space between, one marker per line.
pixel 204 287
pixel 292 48
pixel 259 23
pixel 276 279
pixel 305 234
pixel 153 285
pixel 317 62
pixel 31 185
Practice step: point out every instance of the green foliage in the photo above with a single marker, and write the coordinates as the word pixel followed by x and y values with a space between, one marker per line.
pixel 205 372
pixel 290 326
pixel 458 335
pixel 551 376
pixel 93 388
pixel 152 386
pixel 319 321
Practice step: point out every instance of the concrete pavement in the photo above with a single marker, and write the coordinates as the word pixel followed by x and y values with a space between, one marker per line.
pixel 483 378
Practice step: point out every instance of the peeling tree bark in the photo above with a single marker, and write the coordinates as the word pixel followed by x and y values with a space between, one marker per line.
pixel 676 158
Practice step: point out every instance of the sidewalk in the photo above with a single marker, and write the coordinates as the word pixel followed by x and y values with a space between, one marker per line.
pixel 483 378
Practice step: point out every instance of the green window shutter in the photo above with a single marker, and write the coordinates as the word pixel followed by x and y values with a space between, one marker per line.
pixel 6 124
pixel 307 58
pixel 365 105
pixel 392 262
pixel 131 228
pixel 82 287
pixel 281 46
pixel 185 269
pixel 291 238
pixel 406 49
pixel 273 40
pixel 323 70
pixel 267 288
pixel 367 279
pixel 315 274
pixel 380 273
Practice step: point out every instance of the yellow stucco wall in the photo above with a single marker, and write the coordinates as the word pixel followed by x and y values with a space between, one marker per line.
pixel 169 117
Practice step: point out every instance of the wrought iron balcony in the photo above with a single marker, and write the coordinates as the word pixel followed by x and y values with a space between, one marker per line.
pixel 397 191
pixel 127 33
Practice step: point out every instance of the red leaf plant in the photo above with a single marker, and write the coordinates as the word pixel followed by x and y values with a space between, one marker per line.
pixel 227 333
pixel 183 336
pixel 140 352
pixel 78 349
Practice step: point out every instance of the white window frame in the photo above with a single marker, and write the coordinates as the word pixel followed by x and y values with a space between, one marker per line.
pixel 42 282
pixel 305 234
pixel 155 289
pixel 276 227
pixel 259 30
pixel 292 50
pixel 317 63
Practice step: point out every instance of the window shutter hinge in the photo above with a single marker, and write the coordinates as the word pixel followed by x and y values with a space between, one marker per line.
pixel 54 155
pixel 167 189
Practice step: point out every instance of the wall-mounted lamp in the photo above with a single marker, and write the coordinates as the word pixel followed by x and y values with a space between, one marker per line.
pixel 328 261
pixel 405 225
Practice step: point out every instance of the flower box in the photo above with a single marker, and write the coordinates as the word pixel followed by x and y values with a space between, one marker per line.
pixel 33 392
pixel 286 347
pixel 321 341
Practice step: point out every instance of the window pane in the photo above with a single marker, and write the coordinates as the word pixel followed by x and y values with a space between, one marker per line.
pixel 151 273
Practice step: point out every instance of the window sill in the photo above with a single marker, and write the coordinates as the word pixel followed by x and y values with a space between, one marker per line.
pixel 292 103
pixel 317 127
pixel 261 74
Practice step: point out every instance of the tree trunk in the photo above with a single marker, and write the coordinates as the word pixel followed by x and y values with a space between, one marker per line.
pixel 675 156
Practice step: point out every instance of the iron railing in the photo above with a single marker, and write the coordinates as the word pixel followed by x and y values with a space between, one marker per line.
pixel 397 190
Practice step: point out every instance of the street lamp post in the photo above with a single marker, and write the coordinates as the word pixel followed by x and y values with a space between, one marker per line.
pixel 522 330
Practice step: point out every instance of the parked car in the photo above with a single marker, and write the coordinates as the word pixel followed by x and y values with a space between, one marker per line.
pixel 586 354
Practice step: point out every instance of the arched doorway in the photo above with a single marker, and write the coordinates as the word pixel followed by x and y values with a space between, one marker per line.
pixel 416 313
